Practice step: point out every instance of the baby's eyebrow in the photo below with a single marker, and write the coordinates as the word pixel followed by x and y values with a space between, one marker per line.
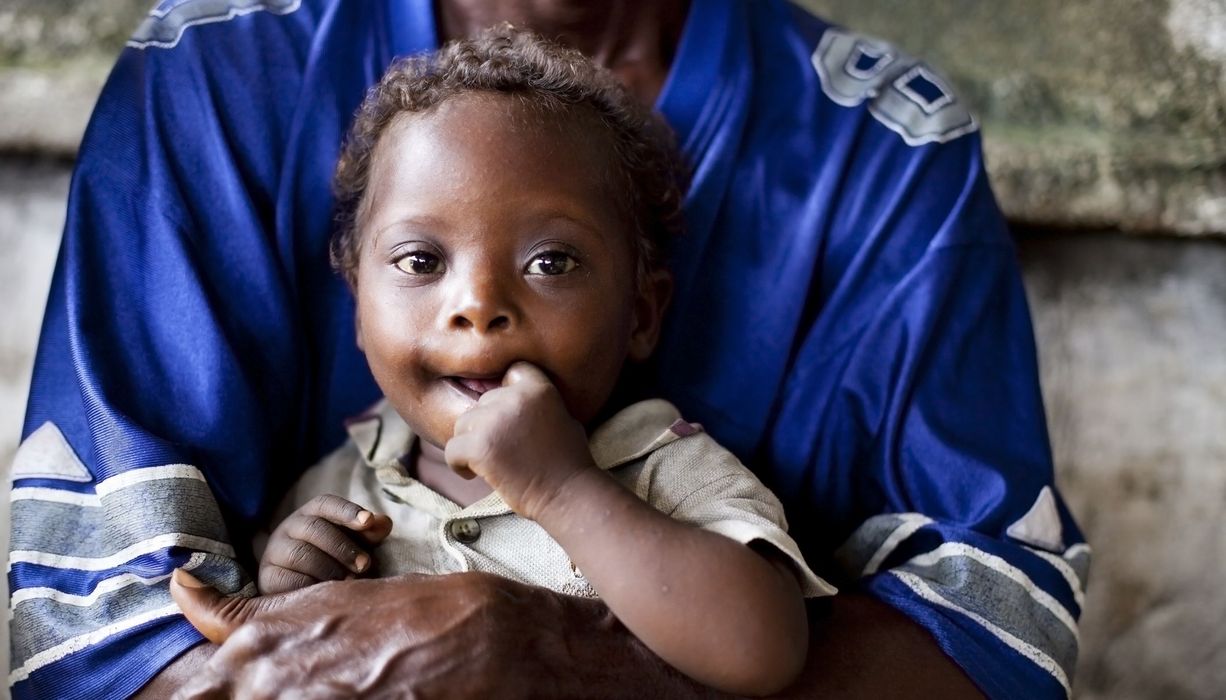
pixel 548 218
pixel 415 223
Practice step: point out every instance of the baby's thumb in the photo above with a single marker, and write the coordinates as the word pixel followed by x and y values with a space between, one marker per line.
pixel 522 371
pixel 212 614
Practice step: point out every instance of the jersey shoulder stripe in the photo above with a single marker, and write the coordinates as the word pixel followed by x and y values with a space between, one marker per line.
pixel 166 22
pixel 904 94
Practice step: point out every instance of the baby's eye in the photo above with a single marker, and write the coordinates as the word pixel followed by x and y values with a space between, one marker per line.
pixel 552 263
pixel 420 263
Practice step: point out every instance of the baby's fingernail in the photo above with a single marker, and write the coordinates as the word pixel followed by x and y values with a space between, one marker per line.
pixel 360 562
pixel 364 517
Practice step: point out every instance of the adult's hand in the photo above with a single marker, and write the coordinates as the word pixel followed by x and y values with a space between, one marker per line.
pixel 460 635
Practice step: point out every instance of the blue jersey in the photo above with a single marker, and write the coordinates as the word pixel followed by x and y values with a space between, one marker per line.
pixel 849 319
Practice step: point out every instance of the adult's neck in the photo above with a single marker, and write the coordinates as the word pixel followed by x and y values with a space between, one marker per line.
pixel 636 39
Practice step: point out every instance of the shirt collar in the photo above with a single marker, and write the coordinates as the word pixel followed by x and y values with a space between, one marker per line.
pixel 636 431
pixel 380 435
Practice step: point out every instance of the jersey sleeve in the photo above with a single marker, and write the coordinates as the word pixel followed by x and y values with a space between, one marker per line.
pixel 974 543
pixel 165 371
pixel 931 466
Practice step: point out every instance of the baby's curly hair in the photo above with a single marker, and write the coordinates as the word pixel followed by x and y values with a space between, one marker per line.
pixel 543 75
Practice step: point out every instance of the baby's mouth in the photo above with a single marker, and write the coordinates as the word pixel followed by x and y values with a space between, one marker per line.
pixel 474 387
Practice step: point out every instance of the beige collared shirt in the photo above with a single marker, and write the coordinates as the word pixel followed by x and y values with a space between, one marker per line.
pixel 669 463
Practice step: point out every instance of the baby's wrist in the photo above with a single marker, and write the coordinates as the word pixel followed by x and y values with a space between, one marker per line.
pixel 578 492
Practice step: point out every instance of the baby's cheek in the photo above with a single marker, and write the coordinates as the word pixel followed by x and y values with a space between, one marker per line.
pixel 433 425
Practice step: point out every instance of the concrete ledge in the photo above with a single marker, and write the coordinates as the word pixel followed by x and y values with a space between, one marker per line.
pixel 1077 178
pixel 44 111
pixel 54 57
pixel 1096 114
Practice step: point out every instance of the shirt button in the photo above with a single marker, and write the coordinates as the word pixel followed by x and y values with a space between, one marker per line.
pixel 466 530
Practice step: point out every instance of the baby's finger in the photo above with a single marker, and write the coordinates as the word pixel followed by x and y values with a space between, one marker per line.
pixel 278 579
pixel 329 539
pixel 459 453
pixel 305 558
pixel 338 510
pixel 472 419
pixel 524 372
pixel 376 530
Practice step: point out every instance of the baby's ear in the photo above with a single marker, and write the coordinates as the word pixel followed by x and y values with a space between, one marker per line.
pixel 650 304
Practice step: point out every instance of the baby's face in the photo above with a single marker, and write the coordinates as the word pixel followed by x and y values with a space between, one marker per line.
pixel 486 240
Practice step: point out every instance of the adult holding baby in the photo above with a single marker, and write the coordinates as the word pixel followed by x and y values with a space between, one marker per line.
pixel 848 316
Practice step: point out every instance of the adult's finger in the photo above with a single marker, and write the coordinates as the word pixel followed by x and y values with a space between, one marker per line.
pixel 212 614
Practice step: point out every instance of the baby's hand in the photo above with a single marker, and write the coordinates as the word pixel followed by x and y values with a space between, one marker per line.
pixel 521 439
pixel 327 539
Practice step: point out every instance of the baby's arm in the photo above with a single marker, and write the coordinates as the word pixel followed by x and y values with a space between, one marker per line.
pixel 715 609
pixel 328 539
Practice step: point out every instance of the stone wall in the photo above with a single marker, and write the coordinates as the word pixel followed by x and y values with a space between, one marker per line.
pixel 1131 335
pixel 54 55
pixel 1096 113
pixel 31 215
pixel 1098 116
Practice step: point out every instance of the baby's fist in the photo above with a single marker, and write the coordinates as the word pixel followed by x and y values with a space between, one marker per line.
pixel 327 539
pixel 521 439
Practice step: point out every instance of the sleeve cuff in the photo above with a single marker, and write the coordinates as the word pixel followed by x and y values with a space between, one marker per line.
pixel 812 585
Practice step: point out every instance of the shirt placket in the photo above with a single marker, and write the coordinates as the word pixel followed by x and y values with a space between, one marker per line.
pixel 461 531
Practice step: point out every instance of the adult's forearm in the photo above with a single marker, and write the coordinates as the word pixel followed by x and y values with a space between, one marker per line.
pixel 591 654
pixel 859 647
pixel 178 673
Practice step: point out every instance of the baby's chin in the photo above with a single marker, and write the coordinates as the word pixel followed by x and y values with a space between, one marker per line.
pixel 434 434
pixel 432 427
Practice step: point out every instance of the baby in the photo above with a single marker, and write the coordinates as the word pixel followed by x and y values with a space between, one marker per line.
pixel 504 210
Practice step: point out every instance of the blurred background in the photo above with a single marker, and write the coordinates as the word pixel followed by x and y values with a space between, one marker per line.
pixel 1104 129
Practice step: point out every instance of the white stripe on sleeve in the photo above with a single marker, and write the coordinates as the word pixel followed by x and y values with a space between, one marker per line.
pixel 153 544
pixel 1040 659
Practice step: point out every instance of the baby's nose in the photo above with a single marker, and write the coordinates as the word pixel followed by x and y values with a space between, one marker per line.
pixel 480 319
pixel 484 306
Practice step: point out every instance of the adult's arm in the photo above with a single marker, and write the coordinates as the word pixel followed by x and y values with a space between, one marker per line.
pixel 477 635
pixel 854 325
pixel 911 438
pixel 168 364
pixel 969 538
